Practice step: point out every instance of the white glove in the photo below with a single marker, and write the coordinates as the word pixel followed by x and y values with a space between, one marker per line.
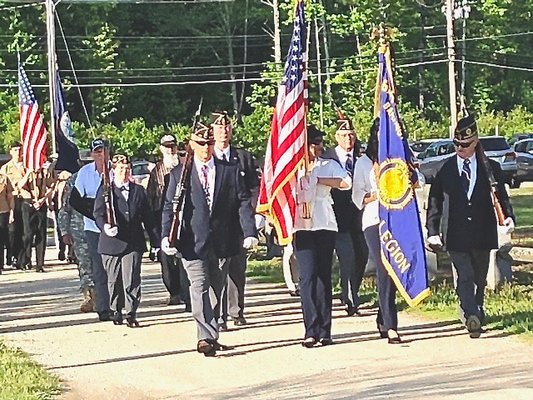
pixel 435 240
pixel 306 189
pixel 507 227
pixel 250 242
pixel 110 230
pixel 165 247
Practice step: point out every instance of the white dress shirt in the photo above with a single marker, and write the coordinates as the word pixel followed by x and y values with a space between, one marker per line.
pixel 364 181
pixel 320 204
pixel 87 182
pixel 221 153
pixel 343 155
pixel 126 191
pixel 211 173
pixel 473 172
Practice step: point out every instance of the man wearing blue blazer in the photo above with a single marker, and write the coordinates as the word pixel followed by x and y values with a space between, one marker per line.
pixel 215 216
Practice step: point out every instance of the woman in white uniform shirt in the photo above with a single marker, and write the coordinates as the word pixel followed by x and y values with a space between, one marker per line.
pixel 314 239
pixel 365 197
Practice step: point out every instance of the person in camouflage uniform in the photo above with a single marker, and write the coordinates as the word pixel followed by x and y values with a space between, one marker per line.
pixel 71 226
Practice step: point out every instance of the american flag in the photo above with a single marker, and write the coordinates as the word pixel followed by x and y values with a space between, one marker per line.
pixel 285 152
pixel 32 129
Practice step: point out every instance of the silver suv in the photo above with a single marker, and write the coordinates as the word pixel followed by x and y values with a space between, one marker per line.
pixel 495 147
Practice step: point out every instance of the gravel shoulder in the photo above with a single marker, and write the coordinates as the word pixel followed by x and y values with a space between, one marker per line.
pixel 39 313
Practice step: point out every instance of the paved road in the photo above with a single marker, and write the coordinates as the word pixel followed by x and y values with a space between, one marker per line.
pixel 39 313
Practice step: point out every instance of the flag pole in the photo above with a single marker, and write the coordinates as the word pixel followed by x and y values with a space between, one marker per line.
pixel 50 34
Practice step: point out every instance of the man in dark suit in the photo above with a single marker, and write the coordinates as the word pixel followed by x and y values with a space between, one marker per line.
pixel 216 213
pixel 350 244
pixel 461 218
pixel 122 242
pixel 233 297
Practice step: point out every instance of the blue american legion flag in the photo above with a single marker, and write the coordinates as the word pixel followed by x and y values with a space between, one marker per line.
pixel 32 129
pixel 401 239
pixel 285 152
pixel 67 151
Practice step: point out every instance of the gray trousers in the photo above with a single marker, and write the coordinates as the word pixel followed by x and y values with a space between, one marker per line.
pixel 99 273
pixel 470 279
pixel 124 282
pixel 352 252
pixel 203 276
pixel 233 295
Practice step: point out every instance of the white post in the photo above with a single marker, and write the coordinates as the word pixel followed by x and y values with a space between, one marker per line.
pixel 451 66
pixel 51 37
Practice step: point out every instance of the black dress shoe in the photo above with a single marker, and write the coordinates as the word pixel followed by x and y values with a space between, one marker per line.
pixel 39 269
pixel 117 321
pixel 188 307
pixel 309 342
pixel 174 301
pixel 131 322
pixel 326 341
pixel 61 256
pixel 206 347
pixel 352 310
pixel 382 332
pixel 473 324
pixel 294 293
pixel 222 327
pixel 393 337
pixel 239 321
pixel 104 316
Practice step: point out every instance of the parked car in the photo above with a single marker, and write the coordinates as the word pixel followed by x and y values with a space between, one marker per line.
pixel 495 147
pixel 140 172
pixel 519 136
pixel 421 145
pixel 524 160
pixel 432 159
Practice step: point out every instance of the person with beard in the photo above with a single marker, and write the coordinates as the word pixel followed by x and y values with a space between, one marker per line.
pixel 172 271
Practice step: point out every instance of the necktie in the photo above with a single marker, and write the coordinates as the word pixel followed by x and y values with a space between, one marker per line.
pixel 465 175
pixel 205 184
pixel 349 164
pixel 224 158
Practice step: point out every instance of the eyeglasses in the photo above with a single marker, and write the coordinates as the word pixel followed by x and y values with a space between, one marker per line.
pixel 464 145
pixel 203 143
pixel 182 153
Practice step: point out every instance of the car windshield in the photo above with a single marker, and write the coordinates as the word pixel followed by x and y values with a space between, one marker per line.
pixel 420 146
pixel 494 144
pixel 140 169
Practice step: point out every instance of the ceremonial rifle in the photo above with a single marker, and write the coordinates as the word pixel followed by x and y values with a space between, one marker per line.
pixel 500 215
pixel 106 191
pixel 181 189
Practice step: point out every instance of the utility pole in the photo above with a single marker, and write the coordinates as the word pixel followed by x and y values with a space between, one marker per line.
pixel 51 44
pixel 451 65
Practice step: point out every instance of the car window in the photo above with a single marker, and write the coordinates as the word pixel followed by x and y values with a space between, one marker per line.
pixel 529 146
pixel 431 151
pixel 494 144
pixel 140 169
pixel 420 146
pixel 521 147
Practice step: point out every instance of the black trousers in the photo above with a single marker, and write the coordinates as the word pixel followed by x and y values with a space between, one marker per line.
pixel 470 278
pixel 387 313
pixel 4 236
pixel 16 230
pixel 314 253
pixel 34 232
pixel 174 277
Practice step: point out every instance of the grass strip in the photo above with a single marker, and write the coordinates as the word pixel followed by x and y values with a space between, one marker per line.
pixel 23 379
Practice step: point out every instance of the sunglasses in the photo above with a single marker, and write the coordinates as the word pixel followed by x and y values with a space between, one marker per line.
pixel 204 142
pixel 182 153
pixel 464 145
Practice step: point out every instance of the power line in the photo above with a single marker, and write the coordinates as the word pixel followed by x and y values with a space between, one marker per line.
pixel 497 65
pixel 221 81
pixel 498 36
